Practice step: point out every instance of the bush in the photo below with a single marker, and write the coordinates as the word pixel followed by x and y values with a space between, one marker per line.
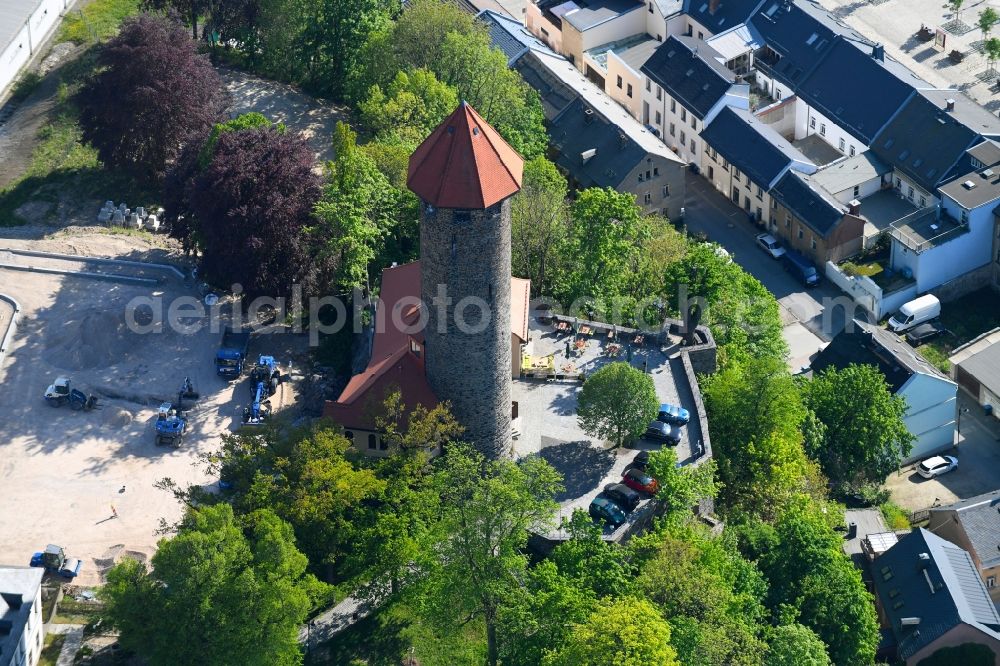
pixel 26 84
pixel 895 516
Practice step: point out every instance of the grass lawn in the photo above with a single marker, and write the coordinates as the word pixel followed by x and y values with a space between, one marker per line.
pixel 50 653
pixel 965 318
pixel 97 20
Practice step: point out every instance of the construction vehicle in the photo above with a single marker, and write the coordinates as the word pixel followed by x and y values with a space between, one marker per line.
pixel 264 380
pixel 60 393
pixel 186 392
pixel 170 425
pixel 54 560
pixel 232 353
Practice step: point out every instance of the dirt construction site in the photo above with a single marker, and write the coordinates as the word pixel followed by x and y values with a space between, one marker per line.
pixel 84 480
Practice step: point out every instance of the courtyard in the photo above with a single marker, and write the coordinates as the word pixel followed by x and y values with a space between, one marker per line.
pixel 547 411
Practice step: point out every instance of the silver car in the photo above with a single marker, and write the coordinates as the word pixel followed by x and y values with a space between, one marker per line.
pixel 769 244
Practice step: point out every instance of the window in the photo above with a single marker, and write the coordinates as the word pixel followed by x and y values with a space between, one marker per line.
pixel 656 171
pixel 857 191
pixel 640 176
pixel 976 164
pixel 666 191
pixel 673 106
pixel 909 192
pixel 774 203
pixel 760 193
pixel 383 444
pixel 372 442
pixel 746 203
pixel 647 174
pixel 899 184
pixel 711 173
pixel 694 146
pixel 991 581
pixel 671 129
pixel 736 196
pixel 684 114
pixel 651 8
pixel 659 38
pixel 701 35
pixel 788 223
pixel 852 151
pixel 923 201
pixel 683 139
pixel 629 90
pixel 659 118
pixel 822 129
pixel 659 92
pixel 645 112
pixel 813 242
pixel 842 145
pixel 646 198
pixel 725 164
pixel 812 123
pixel 349 434
pixel 648 86
pixel 777 94
pixel 800 232
pixel 760 214
pixel 619 82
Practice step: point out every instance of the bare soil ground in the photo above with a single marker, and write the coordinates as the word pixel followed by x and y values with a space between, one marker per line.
pixel 62 471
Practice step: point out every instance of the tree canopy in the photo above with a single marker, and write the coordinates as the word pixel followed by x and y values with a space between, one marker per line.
pixel 617 403
pixel 152 95
pixel 223 591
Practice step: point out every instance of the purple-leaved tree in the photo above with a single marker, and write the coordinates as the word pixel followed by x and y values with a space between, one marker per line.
pixel 250 208
pixel 153 95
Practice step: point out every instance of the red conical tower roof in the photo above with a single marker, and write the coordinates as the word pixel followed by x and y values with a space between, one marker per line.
pixel 464 163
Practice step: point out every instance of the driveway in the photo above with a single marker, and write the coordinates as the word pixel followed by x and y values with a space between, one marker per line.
pixel 811 319
pixel 978 454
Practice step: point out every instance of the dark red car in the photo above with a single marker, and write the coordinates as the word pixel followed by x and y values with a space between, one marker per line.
pixel 640 481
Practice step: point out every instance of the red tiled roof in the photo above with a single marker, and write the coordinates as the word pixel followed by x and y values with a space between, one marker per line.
pixel 363 395
pixel 464 163
pixel 398 282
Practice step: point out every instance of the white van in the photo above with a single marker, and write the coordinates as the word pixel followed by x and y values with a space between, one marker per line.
pixel 915 312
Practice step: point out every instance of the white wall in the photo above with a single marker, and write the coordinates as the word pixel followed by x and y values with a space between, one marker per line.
pixel 865 189
pixel 930 413
pixel 32 36
pixel 542 28
pixel 956 257
pixel 913 192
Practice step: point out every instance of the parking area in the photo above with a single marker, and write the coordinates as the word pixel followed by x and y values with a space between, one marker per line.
pixel 978 454
pixel 549 426
pixel 85 479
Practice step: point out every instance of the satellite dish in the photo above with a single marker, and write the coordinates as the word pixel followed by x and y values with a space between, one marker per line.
pixel 211 299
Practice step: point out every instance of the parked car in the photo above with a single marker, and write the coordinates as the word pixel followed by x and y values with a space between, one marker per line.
pixel 918 335
pixel 641 460
pixel 664 432
pixel 917 311
pixel 602 508
pixel 626 498
pixel 639 481
pixel 936 466
pixel 769 244
pixel 801 268
pixel 673 414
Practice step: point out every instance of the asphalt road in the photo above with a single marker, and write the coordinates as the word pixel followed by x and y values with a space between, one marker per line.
pixel 819 310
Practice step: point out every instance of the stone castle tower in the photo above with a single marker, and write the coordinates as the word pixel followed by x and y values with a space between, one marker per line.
pixel 465 174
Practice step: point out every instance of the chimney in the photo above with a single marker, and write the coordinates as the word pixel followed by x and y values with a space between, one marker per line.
pixel 949 104
pixel 923 559
pixel 713 5
pixel 588 116
pixel 854 207
pixel 878 52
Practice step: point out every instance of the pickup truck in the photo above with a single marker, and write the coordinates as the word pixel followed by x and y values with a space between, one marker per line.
pixel 232 353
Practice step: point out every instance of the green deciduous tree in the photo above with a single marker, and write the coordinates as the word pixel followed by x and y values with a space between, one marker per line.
pixel 681 487
pixel 479 565
pixel 987 19
pixel 410 107
pixel 222 591
pixel 864 437
pixel 795 645
pixel 357 212
pixel 539 223
pixel 591 563
pixel 617 403
pixel 624 632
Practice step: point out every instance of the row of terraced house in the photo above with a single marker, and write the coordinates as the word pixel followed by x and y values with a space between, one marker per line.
pixel 823 139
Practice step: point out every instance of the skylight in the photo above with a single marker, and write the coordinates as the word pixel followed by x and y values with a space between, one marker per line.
pixel 770 10
pixel 812 38
pixel 701 10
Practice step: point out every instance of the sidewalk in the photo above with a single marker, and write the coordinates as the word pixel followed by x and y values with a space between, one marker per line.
pixel 73 643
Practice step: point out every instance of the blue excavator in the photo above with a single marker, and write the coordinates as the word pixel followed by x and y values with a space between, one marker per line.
pixel 264 380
